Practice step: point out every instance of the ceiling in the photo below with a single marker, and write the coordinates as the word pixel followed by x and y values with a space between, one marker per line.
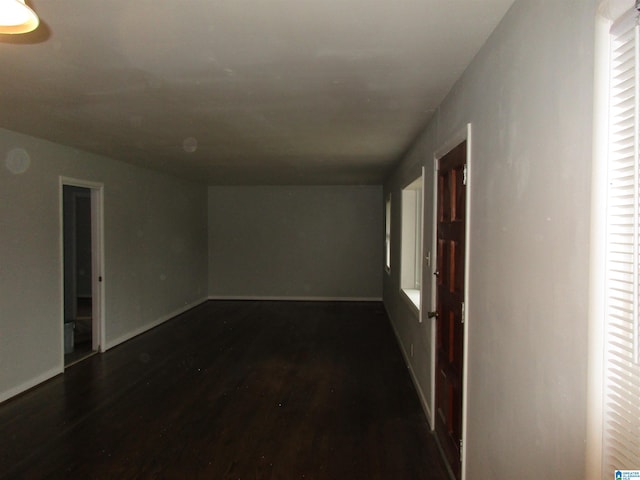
pixel 241 91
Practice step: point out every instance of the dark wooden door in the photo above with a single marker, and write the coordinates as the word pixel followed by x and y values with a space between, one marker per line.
pixel 450 302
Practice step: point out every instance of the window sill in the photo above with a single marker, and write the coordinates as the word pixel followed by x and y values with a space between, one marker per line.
pixel 412 295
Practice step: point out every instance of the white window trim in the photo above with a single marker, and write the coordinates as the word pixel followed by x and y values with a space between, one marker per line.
pixel 411 249
pixel 412 295
pixel 417 272
pixel 387 233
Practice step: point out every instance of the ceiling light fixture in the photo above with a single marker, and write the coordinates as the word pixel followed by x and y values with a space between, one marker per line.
pixel 17 17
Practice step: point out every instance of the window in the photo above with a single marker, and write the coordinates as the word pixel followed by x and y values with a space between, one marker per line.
pixel 411 250
pixel 621 422
pixel 387 232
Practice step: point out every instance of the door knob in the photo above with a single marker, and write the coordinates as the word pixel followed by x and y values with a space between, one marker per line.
pixel 433 314
pixel 437 273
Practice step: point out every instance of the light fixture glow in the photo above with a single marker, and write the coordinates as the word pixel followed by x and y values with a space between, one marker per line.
pixel 17 17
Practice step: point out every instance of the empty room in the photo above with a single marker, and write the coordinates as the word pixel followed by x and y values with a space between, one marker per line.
pixel 323 240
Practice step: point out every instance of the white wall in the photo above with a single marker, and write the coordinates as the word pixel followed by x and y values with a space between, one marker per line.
pixel 528 95
pixel 155 253
pixel 296 242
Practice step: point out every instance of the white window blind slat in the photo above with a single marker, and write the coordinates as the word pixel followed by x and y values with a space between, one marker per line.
pixel 625 82
pixel 625 95
pixel 624 125
pixel 624 68
pixel 620 146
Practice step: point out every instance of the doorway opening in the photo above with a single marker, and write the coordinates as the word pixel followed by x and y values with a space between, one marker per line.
pixel 82 267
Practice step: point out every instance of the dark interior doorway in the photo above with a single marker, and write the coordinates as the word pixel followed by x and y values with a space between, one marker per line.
pixel 78 277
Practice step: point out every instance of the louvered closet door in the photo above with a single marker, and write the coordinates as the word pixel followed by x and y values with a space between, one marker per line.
pixel 622 369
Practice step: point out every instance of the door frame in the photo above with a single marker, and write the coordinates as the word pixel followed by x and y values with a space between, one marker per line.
pixel 97 258
pixel 462 135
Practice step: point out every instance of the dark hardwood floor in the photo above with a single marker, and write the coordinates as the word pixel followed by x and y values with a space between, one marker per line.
pixel 231 390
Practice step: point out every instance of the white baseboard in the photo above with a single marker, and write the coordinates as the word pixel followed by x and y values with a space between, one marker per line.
pixel 414 379
pixel 149 326
pixel 294 299
pixel 12 392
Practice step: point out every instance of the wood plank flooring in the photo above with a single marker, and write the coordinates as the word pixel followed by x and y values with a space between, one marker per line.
pixel 231 390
